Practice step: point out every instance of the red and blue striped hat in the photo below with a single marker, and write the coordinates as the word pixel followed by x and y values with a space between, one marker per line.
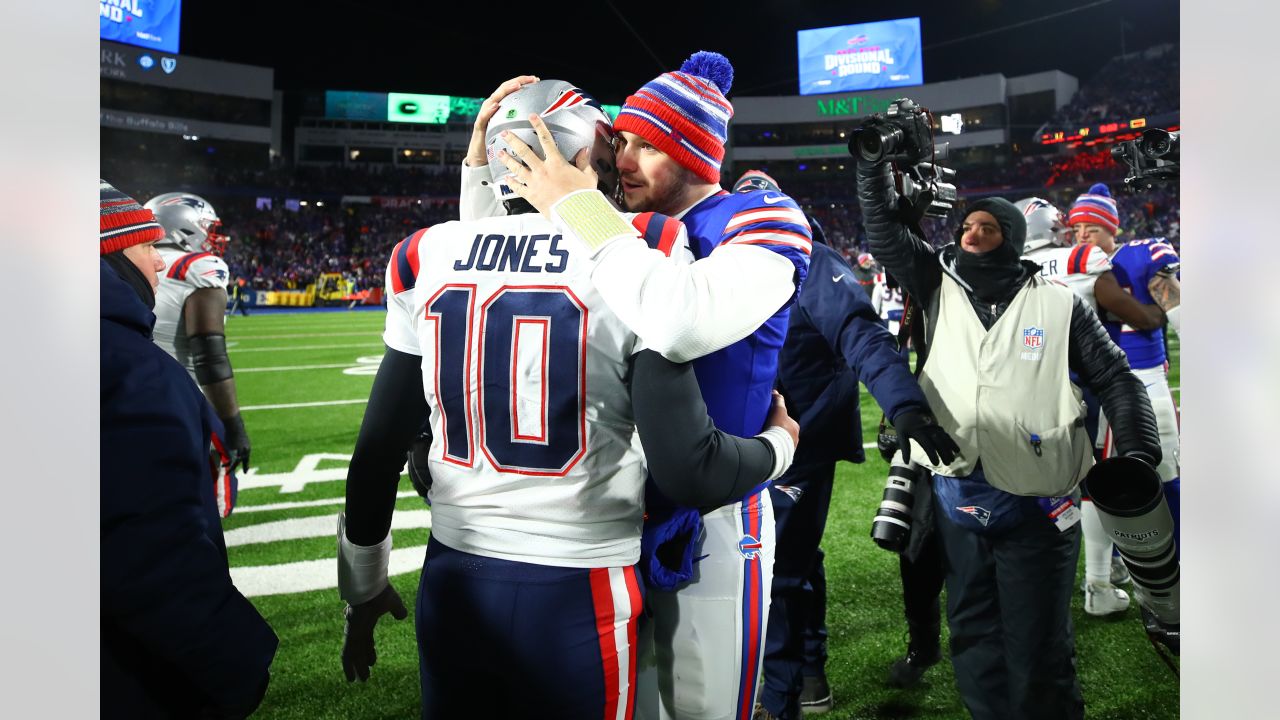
pixel 122 221
pixel 1096 207
pixel 685 114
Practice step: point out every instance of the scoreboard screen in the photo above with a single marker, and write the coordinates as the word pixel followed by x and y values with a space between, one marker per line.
pixel 867 56
pixel 152 24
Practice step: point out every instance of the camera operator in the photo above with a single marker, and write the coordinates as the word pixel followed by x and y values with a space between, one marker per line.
pixel 1001 340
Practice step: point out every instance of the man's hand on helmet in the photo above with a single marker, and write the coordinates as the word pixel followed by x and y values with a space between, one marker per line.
pixel 476 149
pixel 545 182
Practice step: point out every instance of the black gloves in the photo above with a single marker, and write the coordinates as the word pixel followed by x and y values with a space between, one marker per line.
pixel 920 426
pixel 358 653
pixel 419 469
pixel 237 441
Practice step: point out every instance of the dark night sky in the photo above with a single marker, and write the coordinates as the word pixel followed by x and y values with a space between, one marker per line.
pixel 610 48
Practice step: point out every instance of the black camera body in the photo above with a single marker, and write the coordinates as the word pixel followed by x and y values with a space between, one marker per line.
pixel 903 135
pixel 1152 158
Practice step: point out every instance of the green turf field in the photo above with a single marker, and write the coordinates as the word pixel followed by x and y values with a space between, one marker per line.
pixel 302 381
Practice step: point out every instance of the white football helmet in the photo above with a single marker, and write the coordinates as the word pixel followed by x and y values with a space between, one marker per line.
pixel 1045 224
pixel 189 222
pixel 575 120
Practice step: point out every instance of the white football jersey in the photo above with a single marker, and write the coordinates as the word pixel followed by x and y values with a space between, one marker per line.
pixel 1077 267
pixel 184 273
pixel 534 454
pixel 887 302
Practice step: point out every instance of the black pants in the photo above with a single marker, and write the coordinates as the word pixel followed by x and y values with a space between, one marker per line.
pixel 921 587
pixel 795 639
pixel 1009 611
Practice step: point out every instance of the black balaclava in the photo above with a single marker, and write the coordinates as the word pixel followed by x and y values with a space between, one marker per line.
pixel 995 275
pixel 130 273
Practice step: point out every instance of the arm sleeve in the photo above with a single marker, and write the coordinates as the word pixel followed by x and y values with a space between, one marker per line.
pixel 1102 366
pixel 897 247
pixel 396 414
pixel 841 311
pixel 683 311
pixel 477 200
pixel 692 463
pixel 165 582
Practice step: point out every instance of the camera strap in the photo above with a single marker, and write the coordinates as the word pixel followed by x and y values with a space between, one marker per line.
pixel 904 335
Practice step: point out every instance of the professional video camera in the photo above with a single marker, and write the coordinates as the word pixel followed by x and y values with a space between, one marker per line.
pixel 1152 158
pixel 903 135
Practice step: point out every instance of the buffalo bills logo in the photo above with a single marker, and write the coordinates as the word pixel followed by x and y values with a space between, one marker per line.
pixel 856 40
pixel 749 547
pixel 980 514
pixel 1033 337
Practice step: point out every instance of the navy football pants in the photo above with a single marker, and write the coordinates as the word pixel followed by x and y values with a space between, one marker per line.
pixel 503 639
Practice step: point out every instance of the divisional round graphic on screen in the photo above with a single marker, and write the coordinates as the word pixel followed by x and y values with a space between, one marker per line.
pixel 867 56
pixel 151 24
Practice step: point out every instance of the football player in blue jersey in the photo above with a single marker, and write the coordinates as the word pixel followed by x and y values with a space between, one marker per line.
pixel 727 312
pixel 1147 270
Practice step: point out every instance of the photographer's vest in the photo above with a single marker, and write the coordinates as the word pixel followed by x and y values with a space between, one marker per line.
pixel 1004 394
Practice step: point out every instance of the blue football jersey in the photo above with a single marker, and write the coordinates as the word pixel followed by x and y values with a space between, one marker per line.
pixel 1134 265
pixel 736 381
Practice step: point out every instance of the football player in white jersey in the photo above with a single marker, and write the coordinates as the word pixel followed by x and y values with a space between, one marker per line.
pixel 191 305
pixel 886 298
pixel 529 596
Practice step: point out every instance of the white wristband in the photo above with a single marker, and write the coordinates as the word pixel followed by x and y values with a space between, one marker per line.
pixel 784 450
pixel 1174 317
pixel 362 570
pixel 588 216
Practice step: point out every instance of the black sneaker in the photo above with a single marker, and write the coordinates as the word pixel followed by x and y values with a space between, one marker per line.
pixel 907 671
pixel 815 695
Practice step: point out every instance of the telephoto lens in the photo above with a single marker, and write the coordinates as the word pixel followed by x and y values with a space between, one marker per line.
pixel 891 529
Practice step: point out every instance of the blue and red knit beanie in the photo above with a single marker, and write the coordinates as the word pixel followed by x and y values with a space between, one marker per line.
pixel 685 114
pixel 1096 207
pixel 122 221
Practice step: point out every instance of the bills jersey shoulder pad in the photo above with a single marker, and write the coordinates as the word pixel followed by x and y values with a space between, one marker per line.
pixel 402 268
pixel 200 270
pixel 763 218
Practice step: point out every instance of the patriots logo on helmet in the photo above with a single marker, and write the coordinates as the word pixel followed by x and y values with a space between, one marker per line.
pixel 188 200
pixel 1035 204
pixel 570 98
pixel 749 547
pixel 980 514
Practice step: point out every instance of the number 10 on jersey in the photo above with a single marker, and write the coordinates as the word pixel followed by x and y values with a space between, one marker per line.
pixel 523 359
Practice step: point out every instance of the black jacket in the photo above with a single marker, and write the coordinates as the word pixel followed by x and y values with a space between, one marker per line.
pixel 178 639
pixel 1098 363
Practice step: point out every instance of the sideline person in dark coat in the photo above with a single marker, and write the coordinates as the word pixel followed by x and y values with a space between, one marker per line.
pixel 834 339
pixel 178 639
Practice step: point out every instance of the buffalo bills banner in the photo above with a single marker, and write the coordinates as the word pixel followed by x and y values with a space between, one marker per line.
pixel 867 56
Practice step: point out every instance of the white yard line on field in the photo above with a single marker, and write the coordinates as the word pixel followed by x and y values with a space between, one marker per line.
pixel 313 527
pixel 242 509
pixel 239 350
pixel 244 336
pixel 282 368
pixel 311 575
pixel 286 406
